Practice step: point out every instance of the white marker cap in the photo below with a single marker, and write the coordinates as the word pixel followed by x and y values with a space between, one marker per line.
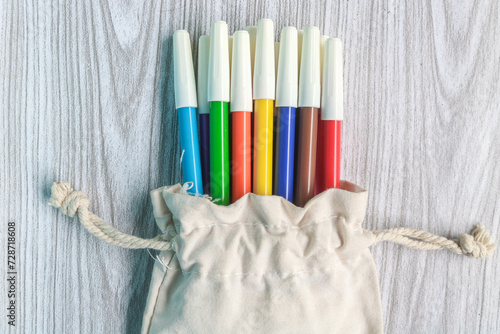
pixel 241 74
pixel 310 77
pixel 218 63
pixel 332 101
pixel 230 51
pixel 184 83
pixel 288 76
pixel 322 42
pixel 300 36
pixel 252 31
pixel 276 60
pixel 264 83
pixel 203 52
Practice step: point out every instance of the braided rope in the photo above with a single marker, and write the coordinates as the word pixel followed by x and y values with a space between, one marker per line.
pixel 74 203
pixel 478 244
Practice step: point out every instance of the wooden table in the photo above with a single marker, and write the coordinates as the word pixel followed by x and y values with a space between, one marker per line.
pixel 87 96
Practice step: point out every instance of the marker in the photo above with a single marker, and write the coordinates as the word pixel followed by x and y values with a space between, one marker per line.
pixel 241 114
pixel 186 104
pixel 275 113
pixel 263 94
pixel 322 42
pixel 204 110
pixel 252 32
pixel 276 60
pixel 309 103
pixel 300 36
pixel 230 51
pixel 320 176
pixel 286 103
pixel 218 97
pixel 332 111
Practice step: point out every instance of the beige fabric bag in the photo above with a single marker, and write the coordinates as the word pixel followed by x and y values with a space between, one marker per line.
pixel 263 265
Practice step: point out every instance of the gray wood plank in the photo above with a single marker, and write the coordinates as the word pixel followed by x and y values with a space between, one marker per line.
pixel 86 96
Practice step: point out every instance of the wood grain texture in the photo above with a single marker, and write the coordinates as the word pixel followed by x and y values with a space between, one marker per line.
pixel 86 96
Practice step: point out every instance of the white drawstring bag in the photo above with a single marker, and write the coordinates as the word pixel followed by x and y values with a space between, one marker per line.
pixel 263 265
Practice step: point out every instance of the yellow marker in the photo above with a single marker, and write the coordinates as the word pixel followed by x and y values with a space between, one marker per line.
pixel 263 147
pixel 263 94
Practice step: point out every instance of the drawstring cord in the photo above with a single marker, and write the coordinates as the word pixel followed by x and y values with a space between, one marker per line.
pixel 478 244
pixel 74 203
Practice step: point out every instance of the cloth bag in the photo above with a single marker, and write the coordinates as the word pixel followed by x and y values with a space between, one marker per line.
pixel 263 265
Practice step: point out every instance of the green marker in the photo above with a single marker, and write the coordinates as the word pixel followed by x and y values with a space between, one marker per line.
pixel 218 97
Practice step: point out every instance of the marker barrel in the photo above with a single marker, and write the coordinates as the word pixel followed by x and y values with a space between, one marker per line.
pixel 306 156
pixel 285 153
pixel 263 147
pixel 219 152
pixel 319 183
pixel 190 150
pixel 332 144
pixel 204 120
pixel 241 176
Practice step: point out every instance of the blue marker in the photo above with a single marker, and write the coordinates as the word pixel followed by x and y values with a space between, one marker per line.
pixel 204 110
pixel 186 104
pixel 286 102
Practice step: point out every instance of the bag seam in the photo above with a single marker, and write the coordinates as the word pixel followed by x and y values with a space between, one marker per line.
pixel 294 273
pixel 316 222
pixel 283 276
pixel 167 269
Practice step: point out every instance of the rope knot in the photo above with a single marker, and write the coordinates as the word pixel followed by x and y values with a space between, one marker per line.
pixel 478 244
pixel 67 200
pixel 72 202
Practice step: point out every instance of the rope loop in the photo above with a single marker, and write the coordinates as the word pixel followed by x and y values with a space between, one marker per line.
pixel 72 203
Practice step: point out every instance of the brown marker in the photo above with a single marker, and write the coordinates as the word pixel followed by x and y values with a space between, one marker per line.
pixel 306 158
pixel 309 103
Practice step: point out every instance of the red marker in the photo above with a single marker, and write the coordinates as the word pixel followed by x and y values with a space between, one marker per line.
pixel 332 112
pixel 319 182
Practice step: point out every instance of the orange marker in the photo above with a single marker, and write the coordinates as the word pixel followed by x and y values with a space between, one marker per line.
pixel 241 113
